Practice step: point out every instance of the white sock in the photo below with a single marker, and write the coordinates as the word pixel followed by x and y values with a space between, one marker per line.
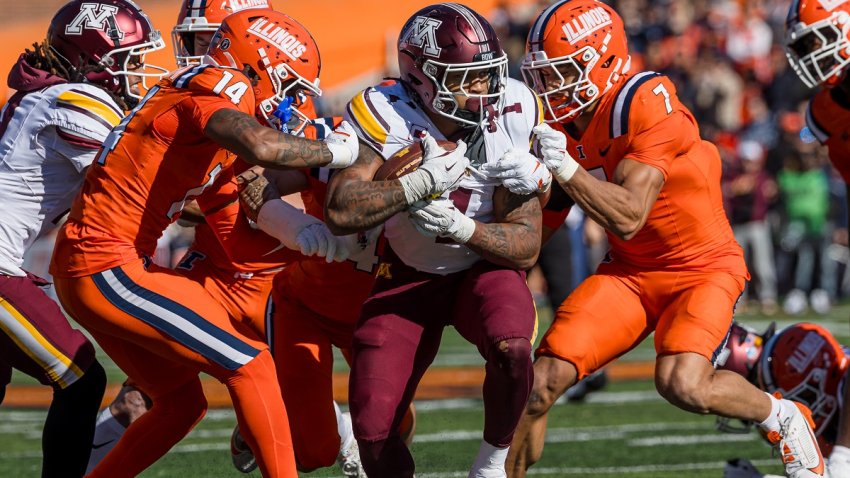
pixel 490 462
pixel 779 410
pixel 840 453
pixel 343 427
pixel 106 434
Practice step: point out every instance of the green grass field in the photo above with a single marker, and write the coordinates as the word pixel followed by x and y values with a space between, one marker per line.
pixel 624 430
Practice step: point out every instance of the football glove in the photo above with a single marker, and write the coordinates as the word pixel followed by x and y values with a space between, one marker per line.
pixel 300 231
pixel 438 172
pixel 520 171
pixel 343 145
pixel 553 147
pixel 441 218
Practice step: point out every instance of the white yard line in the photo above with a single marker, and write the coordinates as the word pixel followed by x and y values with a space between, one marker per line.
pixel 591 471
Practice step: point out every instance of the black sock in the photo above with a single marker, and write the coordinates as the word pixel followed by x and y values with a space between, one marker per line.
pixel 69 428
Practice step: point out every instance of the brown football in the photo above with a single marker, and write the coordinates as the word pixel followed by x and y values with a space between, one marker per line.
pixel 406 160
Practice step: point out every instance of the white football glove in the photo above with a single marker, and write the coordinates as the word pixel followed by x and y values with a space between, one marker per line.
pixel 553 147
pixel 520 171
pixel 439 170
pixel 441 218
pixel 343 145
pixel 300 231
pixel 317 239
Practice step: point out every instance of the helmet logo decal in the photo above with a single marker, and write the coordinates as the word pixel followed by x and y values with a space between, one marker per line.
pixel 423 34
pixel 807 351
pixel 585 24
pixel 95 16
pixel 279 37
pixel 830 5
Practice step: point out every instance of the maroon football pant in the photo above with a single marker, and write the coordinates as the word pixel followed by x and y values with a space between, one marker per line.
pixel 399 333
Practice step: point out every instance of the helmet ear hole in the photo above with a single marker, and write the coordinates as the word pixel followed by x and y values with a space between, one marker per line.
pixel 252 74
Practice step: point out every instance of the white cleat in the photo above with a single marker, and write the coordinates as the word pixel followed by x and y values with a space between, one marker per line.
pixel 349 455
pixel 349 461
pixel 798 446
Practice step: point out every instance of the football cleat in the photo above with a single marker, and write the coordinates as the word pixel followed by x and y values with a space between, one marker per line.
pixel 241 454
pixel 797 444
pixel 349 456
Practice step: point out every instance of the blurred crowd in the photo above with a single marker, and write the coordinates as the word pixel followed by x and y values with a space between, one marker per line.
pixel 786 203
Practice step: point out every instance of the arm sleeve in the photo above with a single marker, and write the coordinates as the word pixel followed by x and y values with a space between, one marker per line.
pixel 239 239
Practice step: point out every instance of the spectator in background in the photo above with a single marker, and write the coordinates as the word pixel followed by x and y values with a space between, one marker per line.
pixel 804 188
pixel 749 191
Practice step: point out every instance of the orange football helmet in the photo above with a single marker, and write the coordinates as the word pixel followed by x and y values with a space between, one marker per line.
pixel 281 57
pixel 817 40
pixel 203 16
pixel 805 363
pixel 576 52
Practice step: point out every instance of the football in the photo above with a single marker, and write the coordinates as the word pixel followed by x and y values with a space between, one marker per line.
pixel 406 160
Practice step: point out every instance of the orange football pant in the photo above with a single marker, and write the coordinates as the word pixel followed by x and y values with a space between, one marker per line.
pixel 245 298
pixel 616 308
pixel 303 352
pixel 162 329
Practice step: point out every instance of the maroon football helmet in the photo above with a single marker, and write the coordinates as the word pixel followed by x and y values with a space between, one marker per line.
pixel 447 51
pixel 107 41
pixel 741 354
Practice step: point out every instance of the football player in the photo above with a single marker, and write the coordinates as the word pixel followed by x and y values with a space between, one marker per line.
pixel 160 327
pixel 241 286
pixel 458 241
pixel 71 90
pixel 817 39
pixel 674 267
pixel 802 362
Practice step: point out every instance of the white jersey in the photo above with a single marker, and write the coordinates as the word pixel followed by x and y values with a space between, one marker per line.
pixel 388 119
pixel 49 140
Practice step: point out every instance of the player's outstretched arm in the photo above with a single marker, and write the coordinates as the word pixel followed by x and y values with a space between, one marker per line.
pixel 357 203
pixel 243 135
pixel 622 206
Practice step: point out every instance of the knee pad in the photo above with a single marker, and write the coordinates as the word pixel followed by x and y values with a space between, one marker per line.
pixel 511 353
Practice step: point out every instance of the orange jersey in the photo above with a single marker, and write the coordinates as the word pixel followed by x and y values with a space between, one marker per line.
pixel 643 120
pixel 150 166
pixel 829 122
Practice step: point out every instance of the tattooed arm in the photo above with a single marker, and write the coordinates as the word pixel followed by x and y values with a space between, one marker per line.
pixel 513 238
pixel 357 203
pixel 257 144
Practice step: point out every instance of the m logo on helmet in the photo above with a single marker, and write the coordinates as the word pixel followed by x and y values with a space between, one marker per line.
pixel 423 33
pixel 585 24
pixel 96 16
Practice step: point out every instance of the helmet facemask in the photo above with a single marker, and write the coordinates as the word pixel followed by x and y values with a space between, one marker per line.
pixel 453 80
pixel 819 52
pixel 291 90
pixel 563 83
pixel 130 62
pixel 183 39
